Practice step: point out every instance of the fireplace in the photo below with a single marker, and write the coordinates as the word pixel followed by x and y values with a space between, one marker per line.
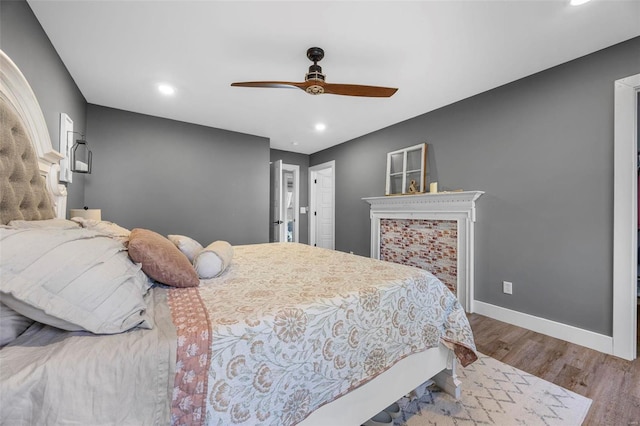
pixel 431 231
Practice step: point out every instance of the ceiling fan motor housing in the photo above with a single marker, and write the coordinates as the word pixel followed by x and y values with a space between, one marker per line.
pixel 315 74
pixel 315 54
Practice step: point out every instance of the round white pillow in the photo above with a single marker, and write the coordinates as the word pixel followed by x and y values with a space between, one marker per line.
pixel 188 246
pixel 213 259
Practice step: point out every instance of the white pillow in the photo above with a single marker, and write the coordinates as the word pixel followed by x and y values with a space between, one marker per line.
pixel 12 324
pixel 104 227
pixel 188 246
pixel 213 259
pixel 72 279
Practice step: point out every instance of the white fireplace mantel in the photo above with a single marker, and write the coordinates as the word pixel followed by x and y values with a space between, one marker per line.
pixel 458 206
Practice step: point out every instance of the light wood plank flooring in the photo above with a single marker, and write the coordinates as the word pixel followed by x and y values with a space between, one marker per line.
pixel 612 383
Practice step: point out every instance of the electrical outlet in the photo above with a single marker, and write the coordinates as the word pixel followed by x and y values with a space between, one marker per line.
pixel 507 287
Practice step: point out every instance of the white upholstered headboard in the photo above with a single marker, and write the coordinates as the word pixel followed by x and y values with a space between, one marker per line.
pixel 17 93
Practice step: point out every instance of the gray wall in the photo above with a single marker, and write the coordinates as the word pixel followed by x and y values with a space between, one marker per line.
pixel 155 167
pixel 24 41
pixel 542 149
pixel 301 160
pixel 178 178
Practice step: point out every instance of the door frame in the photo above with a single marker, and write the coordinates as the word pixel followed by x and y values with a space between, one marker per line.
pixel 625 217
pixel 313 173
pixel 275 186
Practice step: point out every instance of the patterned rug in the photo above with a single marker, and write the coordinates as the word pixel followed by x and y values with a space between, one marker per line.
pixel 494 393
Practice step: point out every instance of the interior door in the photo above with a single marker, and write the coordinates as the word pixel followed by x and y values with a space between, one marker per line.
pixel 324 209
pixel 321 204
pixel 276 210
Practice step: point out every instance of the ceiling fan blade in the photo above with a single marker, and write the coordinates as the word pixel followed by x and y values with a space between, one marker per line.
pixel 359 90
pixel 271 84
pixel 316 87
pixel 315 84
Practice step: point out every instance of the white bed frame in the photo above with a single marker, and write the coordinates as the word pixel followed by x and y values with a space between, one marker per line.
pixel 365 402
pixel 351 409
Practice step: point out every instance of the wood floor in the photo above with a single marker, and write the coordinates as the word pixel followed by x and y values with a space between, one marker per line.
pixel 612 383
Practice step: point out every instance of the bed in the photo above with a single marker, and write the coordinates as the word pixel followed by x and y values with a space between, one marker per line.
pixel 284 334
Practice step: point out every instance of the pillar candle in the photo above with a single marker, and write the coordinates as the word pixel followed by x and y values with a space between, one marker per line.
pixel 433 187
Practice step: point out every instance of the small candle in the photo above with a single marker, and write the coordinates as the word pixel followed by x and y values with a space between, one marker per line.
pixel 433 187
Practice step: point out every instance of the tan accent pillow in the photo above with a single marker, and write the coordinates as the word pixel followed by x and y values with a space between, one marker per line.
pixel 161 259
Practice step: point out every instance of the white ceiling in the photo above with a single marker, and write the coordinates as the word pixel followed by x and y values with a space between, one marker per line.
pixel 435 52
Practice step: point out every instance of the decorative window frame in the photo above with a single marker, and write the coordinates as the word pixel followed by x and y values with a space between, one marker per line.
pixel 422 147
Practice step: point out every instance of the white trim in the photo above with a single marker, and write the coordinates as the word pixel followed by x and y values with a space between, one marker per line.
pixel 625 213
pixel 313 170
pixel 579 336
pixel 16 91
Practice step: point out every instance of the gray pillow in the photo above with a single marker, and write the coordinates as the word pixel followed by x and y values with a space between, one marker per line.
pixel 12 324
pixel 72 279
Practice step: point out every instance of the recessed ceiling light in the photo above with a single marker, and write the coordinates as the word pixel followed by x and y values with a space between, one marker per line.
pixel 166 89
pixel 294 143
pixel 320 127
pixel 578 2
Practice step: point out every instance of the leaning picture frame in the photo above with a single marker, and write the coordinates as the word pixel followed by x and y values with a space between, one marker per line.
pixel 407 170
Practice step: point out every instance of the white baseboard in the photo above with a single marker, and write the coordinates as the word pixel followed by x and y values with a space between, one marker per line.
pixel 579 336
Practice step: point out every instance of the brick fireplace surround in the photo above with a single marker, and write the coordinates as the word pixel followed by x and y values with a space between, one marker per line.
pixel 431 231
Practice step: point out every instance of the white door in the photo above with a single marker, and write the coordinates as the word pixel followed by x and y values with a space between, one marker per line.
pixel 322 205
pixel 276 211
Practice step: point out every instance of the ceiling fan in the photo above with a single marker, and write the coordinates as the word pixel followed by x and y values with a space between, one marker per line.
pixel 314 82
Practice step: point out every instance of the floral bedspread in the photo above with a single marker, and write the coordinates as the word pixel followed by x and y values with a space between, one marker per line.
pixel 288 328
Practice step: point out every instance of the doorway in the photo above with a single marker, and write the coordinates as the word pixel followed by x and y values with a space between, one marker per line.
pixel 291 201
pixel 322 205
pixel 284 201
pixel 625 217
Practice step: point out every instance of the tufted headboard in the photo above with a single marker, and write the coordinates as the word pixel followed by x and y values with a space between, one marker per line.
pixel 29 187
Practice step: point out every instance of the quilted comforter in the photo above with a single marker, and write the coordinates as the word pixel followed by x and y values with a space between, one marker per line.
pixel 290 327
pixel 286 329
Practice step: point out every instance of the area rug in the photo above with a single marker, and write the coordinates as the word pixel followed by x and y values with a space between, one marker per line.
pixel 494 393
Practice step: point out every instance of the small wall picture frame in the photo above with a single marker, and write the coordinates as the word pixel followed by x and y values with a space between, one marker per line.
pixel 407 170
